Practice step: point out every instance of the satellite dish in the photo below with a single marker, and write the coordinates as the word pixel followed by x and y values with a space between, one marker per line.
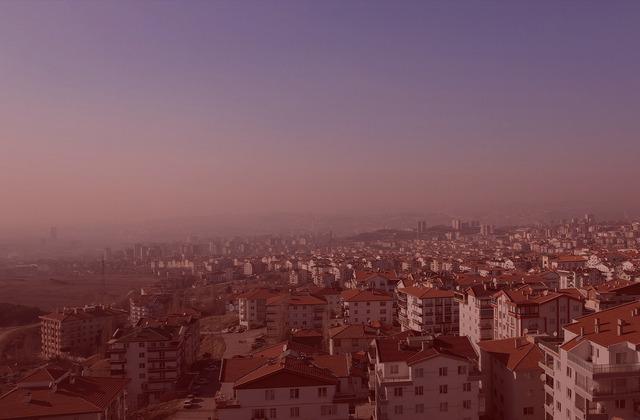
pixel 525 331
pixel 555 333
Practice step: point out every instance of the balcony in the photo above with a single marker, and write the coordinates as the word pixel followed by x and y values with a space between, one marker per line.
pixel 597 370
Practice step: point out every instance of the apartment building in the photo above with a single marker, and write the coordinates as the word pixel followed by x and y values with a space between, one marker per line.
pixel 151 358
pixel 611 293
pixel 428 310
pixel 511 379
pixel 290 386
pixel 149 305
pixel 366 306
pixel 54 393
pixel 379 280
pixel 352 338
pixel 425 377
pixel 252 307
pixel 523 310
pixel 80 331
pixel 476 312
pixel 290 311
pixel 594 372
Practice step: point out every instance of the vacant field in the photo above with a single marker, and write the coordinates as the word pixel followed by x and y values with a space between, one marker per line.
pixel 49 293
pixel 218 322
pixel 20 344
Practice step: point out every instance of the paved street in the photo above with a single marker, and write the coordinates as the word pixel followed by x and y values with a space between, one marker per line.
pixel 240 343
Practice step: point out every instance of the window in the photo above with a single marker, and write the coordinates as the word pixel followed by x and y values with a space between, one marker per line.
pixel 527 411
pixel 444 389
pixel 569 393
pixel 444 406
pixel 273 413
pixel 466 387
pixel 141 365
pixel 328 410
pixel 258 413
pixel 397 409
pixel 419 408
pixel 621 403
pixel 442 371
pixel 466 404
pixel 462 370
pixel 419 390
pixel 141 345
pixel 269 394
pixel 568 371
pixel 294 393
pixel 621 358
pixel 394 369
pixel 419 373
pixel 294 412
pixel 397 391
pixel 141 355
pixel 322 392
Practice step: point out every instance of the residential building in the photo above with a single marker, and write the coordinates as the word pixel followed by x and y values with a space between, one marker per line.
pixel 428 310
pixel 252 307
pixel 152 358
pixel 80 331
pixel 54 393
pixel 511 379
pixel 149 305
pixel 352 338
pixel 594 371
pixel 476 312
pixel 367 306
pixel 285 387
pixel 295 311
pixel 425 377
pixel 523 310
pixel 379 280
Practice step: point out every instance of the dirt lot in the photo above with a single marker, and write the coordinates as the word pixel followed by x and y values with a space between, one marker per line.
pixel 48 293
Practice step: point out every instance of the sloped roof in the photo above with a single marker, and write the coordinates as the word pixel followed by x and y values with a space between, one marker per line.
pixel 516 354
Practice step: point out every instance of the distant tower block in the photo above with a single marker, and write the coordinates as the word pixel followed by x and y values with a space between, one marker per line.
pixel 53 233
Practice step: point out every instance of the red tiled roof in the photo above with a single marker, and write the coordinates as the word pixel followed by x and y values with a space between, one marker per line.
pixel 355 295
pixel 286 372
pixel 608 320
pixel 84 395
pixel 427 292
pixel 516 354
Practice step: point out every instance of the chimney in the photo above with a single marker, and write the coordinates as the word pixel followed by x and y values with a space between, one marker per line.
pixel 620 329
pixel 27 398
pixel 596 325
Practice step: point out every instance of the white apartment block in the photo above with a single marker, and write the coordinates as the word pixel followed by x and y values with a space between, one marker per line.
pixel 252 307
pixel 151 305
pixel 511 379
pixel 151 358
pixel 521 311
pixel 295 311
pixel 288 387
pixel 367 306
pixel 594 372
pixel 428 310
pixel 425 377
pixel 476 312
pixel 379 280
pixel 81 331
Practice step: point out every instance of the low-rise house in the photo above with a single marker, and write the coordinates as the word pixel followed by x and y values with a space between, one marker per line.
pixel 53 393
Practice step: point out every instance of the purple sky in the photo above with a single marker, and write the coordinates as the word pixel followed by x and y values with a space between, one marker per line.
pixel 122 111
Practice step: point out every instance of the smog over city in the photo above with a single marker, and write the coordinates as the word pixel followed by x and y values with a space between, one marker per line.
pixel 337 210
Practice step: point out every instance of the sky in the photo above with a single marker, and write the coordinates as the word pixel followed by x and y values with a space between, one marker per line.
pixel 126 111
